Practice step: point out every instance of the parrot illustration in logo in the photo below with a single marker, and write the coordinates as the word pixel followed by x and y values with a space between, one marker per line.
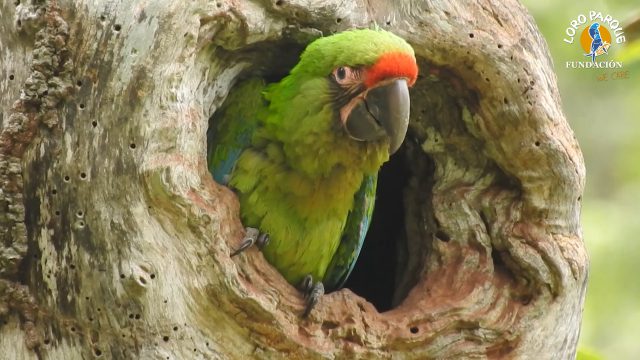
pixel 303 154
pixel 598 47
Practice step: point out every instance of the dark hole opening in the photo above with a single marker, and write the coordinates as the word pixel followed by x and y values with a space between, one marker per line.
pixel 374 274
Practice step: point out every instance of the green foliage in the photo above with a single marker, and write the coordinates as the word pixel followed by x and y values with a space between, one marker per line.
pixel 630 54
pixel 600 105
pixel 588 354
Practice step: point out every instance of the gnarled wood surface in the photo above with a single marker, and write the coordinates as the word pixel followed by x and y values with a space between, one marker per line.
pixel 114 239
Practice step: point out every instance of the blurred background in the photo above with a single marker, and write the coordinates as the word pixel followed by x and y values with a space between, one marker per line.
pixel 604 112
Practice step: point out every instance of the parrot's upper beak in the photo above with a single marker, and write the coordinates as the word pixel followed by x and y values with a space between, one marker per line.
pixel 378 112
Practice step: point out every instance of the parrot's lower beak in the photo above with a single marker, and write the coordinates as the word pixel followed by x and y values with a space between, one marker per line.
pixel 380 111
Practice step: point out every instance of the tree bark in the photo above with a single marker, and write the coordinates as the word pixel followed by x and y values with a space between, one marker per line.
pixel 114 238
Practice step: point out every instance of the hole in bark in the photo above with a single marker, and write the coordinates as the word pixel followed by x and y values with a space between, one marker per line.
pixel 94 123
pixel 153 276
pixel 19 23
pixel 97 352
pixel 11 77
pixel 165 338
pixel 54 192
pixel 328 325
pixel 47 341
pixel 414 329
pixel 132 146
pixel 142 280
pixel 83 175
pixel 389 23
pixel 137 316
pixel 338 20
pixel 442 236
pixel 175 328
pixel 80 213
pixel 57 212
pixel 67 178
pixel 537 143
pixel 279 2
pixel 506 101
pixel 499 46
pixel 78 83
pixel 102 18
pixel 471 35
pixel 117 27
pixel 374 274
pixel 131 316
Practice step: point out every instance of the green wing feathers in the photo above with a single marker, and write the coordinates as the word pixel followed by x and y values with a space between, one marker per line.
pixel 234 126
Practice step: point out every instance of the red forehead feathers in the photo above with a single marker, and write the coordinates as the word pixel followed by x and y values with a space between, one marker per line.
pixel 392 65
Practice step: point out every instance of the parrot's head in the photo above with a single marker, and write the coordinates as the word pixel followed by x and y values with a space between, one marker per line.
pixel 367 74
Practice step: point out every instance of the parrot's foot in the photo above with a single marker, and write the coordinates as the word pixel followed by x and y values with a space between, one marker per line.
pixel 252 237
pixel 312 293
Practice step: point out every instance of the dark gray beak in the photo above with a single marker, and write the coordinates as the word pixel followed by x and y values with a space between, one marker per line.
pixel 384 111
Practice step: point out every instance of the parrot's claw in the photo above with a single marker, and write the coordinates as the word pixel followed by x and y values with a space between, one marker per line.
pixel 312 293
pixel 262 241
pixel 251 237
pixel 306 285
pixel 313 297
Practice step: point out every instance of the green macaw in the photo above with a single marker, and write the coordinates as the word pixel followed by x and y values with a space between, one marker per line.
pixel 303 154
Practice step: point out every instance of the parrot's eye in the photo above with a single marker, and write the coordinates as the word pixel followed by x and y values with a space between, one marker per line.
pixel 344 74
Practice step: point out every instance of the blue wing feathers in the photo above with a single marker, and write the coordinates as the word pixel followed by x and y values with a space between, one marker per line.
pixel 233 127
pixel 353 236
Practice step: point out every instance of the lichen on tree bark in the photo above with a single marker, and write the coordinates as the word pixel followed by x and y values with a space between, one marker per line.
pixel 114 239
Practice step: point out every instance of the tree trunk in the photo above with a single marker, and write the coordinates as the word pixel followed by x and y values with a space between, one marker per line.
pixel 114 238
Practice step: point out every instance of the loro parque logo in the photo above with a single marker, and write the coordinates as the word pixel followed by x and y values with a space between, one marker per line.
pixel 595 34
